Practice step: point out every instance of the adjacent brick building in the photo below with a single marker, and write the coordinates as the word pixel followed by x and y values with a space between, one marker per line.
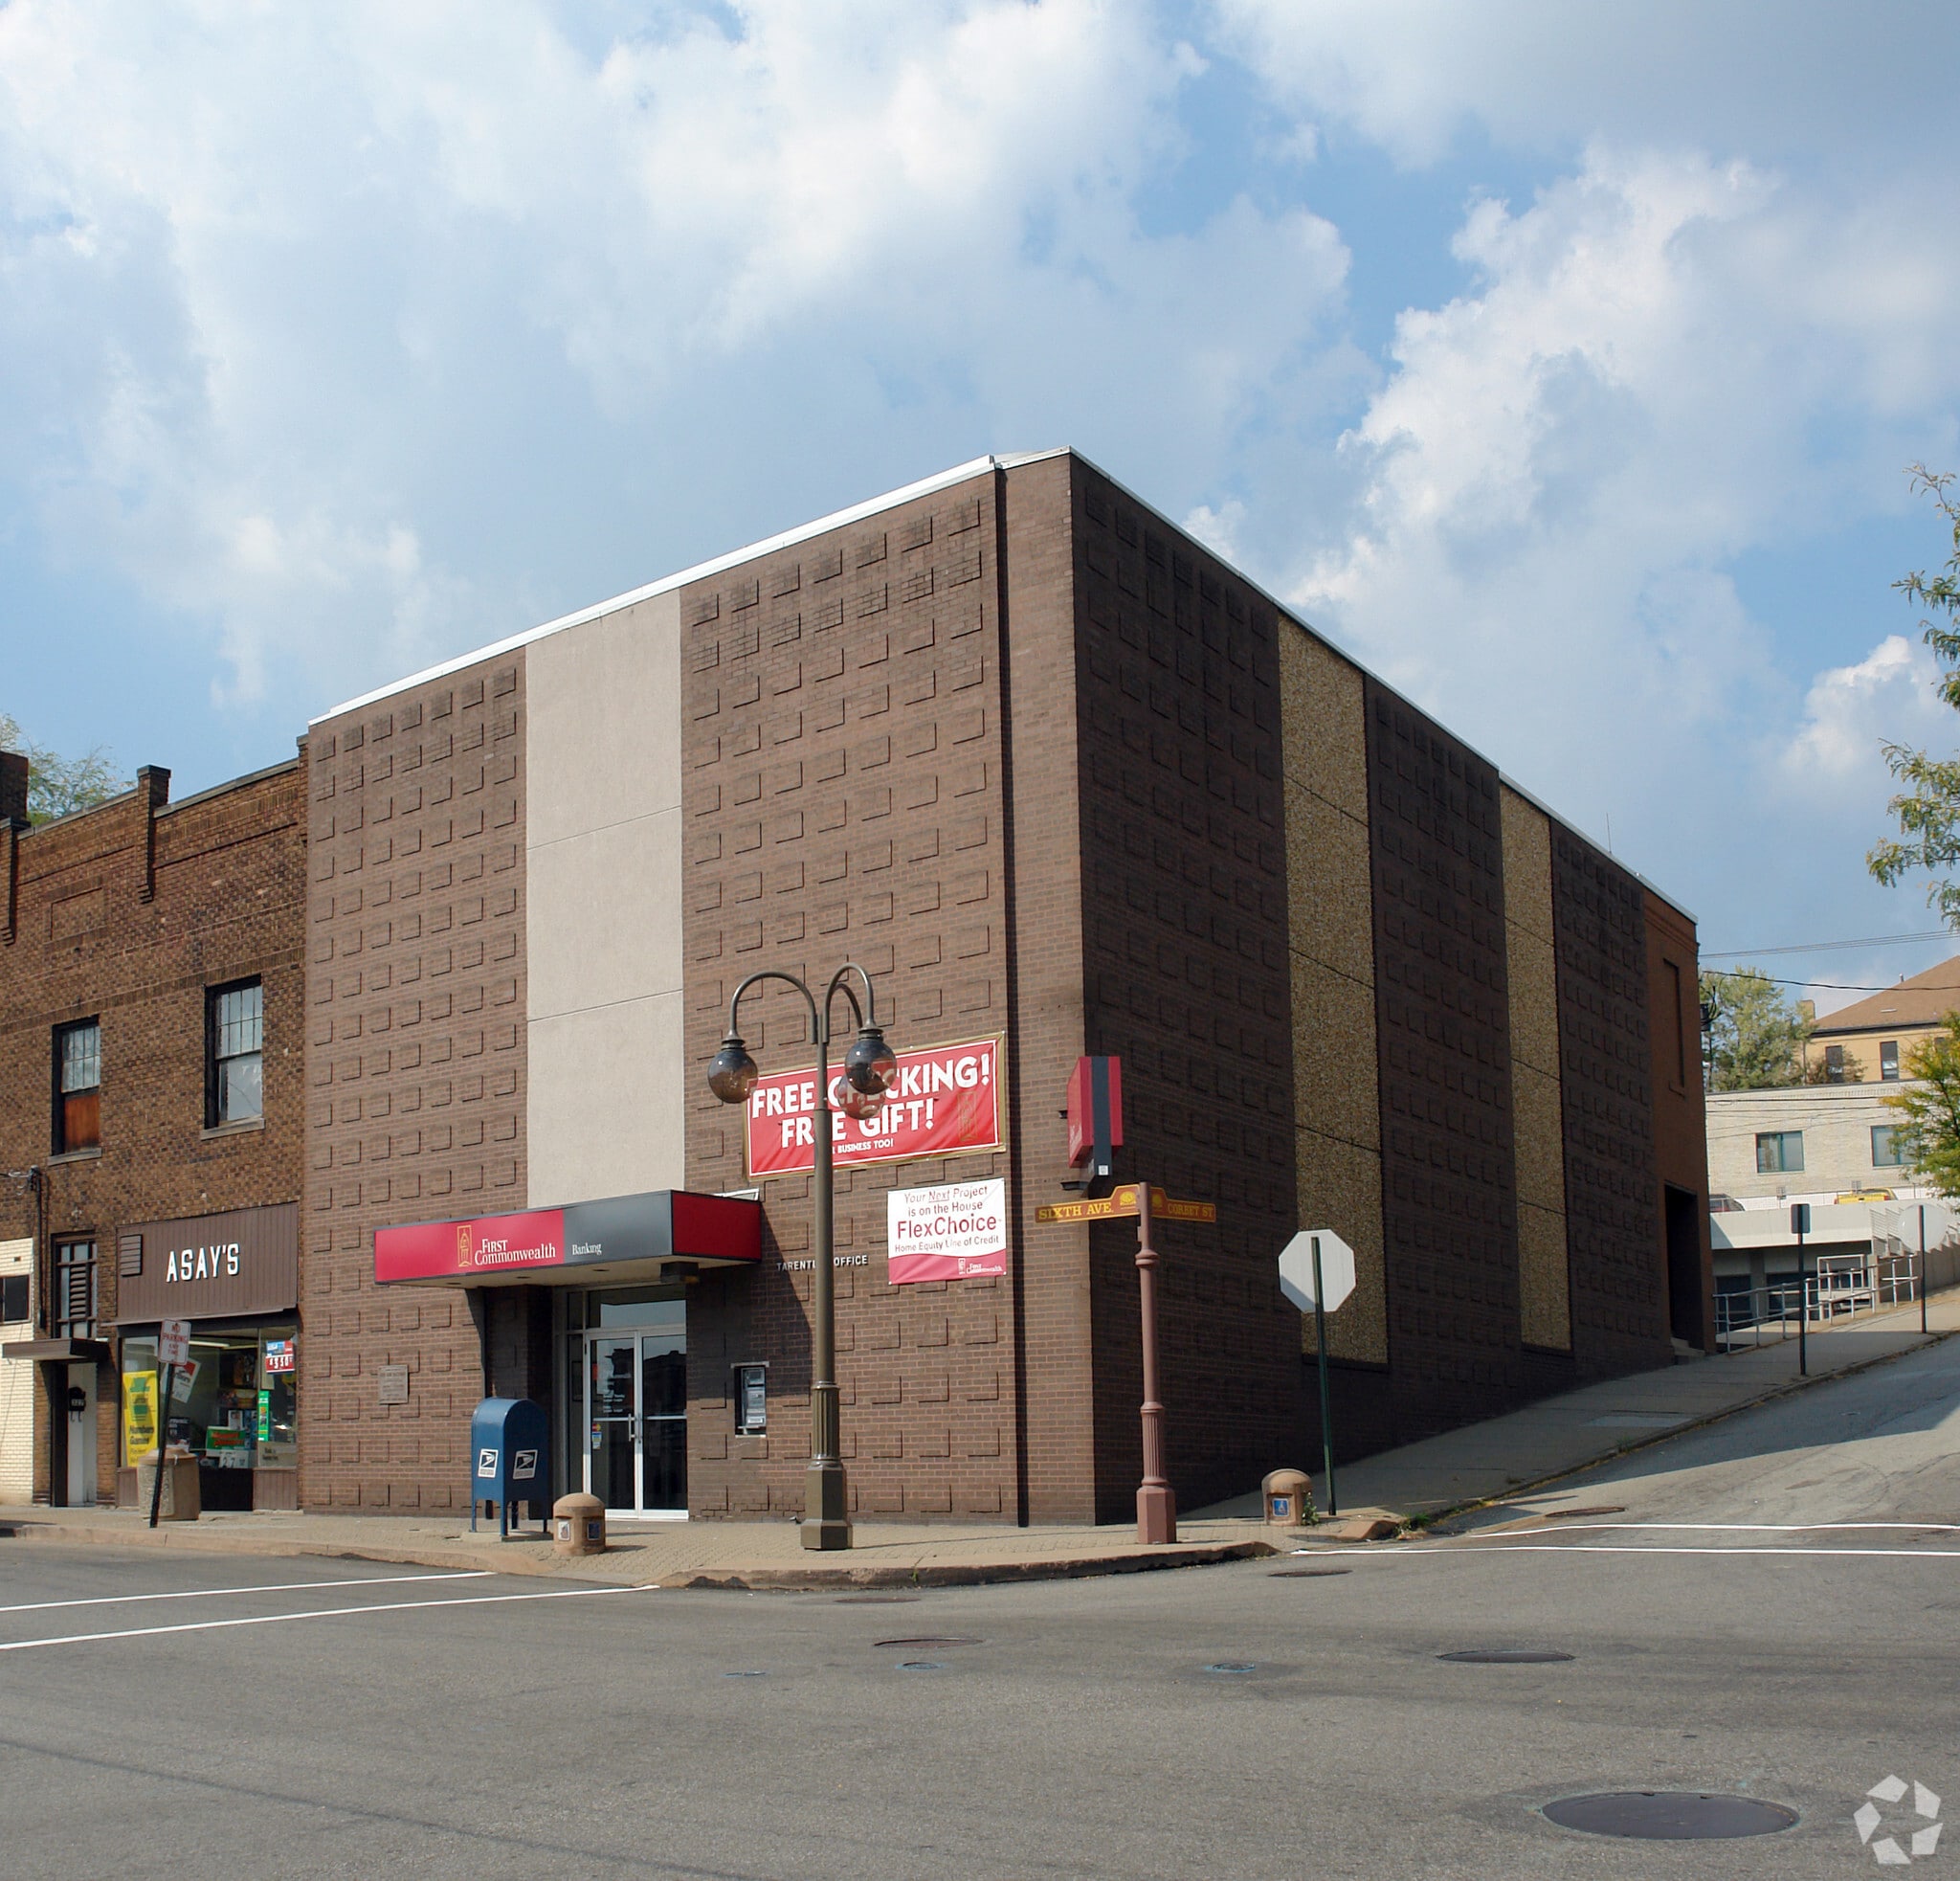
pixel 1061 781
pixel 150 1112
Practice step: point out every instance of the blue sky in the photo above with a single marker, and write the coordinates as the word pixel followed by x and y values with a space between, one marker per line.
pixel 1564 364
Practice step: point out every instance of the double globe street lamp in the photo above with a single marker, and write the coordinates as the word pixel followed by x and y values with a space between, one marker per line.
pixel 869 1071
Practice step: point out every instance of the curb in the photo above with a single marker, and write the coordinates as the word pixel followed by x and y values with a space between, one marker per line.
pixel 757 1581
pixel 735 1579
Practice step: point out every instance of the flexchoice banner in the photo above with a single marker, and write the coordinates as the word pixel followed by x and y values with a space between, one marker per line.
pixel 953 1231
pixel 946 1102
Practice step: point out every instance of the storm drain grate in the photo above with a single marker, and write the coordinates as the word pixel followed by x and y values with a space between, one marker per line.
pixel 931 1642
pixel 878 1600
pixel 1506 1655
pixel 1305 1574
pixel 1649 1815
pixel 1574 1515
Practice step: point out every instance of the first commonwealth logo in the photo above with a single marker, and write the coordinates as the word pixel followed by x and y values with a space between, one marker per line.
pixel 1921 1840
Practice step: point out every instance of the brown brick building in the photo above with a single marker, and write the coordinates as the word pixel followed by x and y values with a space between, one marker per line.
pixel 150 1117
pixel 1063 782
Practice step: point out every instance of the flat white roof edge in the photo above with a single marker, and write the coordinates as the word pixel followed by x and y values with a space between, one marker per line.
pixel 699 571
pixel 856 513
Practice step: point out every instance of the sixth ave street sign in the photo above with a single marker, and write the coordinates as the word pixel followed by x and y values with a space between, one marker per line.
pixel 1337 1269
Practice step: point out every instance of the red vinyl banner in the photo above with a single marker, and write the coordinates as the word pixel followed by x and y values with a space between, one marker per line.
pixel 945 1103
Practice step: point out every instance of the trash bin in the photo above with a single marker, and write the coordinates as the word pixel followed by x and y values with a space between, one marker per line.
pixel 181 1502
pixel 578 1525
pixel 1289 1498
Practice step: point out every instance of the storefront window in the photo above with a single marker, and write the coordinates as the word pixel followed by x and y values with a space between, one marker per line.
pixel 235 1407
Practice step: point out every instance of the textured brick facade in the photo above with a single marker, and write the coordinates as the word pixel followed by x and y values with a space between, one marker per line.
pixel 1449 1183
pixel 1618 1266
pixel 843 800
pixel 129 913
pixel 1185 938
pixel 415 1078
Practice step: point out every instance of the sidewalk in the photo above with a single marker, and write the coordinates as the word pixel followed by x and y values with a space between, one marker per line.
pixel 1485 1462
pixel 739 1555
pixel 1505 1456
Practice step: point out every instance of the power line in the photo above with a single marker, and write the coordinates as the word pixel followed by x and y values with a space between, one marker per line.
pixel 1827 947
pixel 1823 985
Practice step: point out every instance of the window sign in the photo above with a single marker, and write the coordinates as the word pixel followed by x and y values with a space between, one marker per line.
pixel 950 1231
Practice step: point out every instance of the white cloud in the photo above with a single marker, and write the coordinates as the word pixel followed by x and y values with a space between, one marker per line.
pixel 284 288
pixel 1852 712
pixel 1729 75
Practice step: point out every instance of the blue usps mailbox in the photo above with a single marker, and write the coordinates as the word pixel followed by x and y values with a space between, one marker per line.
pixel 511 1460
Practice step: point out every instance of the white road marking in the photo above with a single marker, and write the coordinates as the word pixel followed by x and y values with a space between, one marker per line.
pixel 318 1613
pixel 1744 1528
pixel 1679 1547
pixel 275 1587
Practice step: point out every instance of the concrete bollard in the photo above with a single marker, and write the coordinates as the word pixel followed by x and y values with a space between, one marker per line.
pixel 578 1525
pixel 1288 1495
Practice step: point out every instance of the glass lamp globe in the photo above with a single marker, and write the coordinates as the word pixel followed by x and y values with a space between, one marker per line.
pixel 871 1066
pixel 731 1072
pixel 863 1104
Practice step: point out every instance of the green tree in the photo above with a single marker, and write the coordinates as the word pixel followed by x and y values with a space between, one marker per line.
pixel 1757 1039
pixel 1927 810
pixel 57 784
pixel 1928 1130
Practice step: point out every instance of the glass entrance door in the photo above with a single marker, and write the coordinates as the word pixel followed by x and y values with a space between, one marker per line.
pixel 636 1413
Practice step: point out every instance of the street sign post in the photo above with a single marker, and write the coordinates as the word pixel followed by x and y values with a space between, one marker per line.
pixel 1800 1226
pixel 173 1348
pixel 1317 1274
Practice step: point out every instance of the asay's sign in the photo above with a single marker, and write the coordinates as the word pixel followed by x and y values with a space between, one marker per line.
pixel 181 1263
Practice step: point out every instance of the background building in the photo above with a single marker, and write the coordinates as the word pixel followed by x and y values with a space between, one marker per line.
pixel 150 1097
pixel 1871 1040
pixel 1064 783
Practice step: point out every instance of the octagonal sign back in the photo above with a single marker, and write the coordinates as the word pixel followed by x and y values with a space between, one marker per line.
pixel 1337 1270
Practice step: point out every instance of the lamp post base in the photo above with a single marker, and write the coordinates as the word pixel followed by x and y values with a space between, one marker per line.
pixel 826 1507
pixel 1156 1515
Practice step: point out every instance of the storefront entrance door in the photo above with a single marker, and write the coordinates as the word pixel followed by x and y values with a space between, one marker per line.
pixel 636 1412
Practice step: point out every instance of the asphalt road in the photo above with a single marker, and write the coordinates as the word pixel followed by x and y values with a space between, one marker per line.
pixel 227 1716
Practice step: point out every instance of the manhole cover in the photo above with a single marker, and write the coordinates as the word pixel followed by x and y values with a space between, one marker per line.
pixel 921 1666
pixel 1651 1815
pixel 1574 1515
pixel 878 1600
pixel 1506 1655
pixel 1233 1666
pixel 932 1640
pixel 1305 1574
pixel 745 1674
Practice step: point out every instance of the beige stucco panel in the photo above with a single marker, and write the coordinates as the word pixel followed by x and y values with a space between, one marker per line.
pixel 605 917
pixel 17 1392
pixel 607 1067
pixel 1329 886
pixel 1341 1188
pixel 1323 737
pixel 1335 1089
pixel 629 1062
pixel 1537 1109
pixel 603 723
pixel 1330 932
pixel 1544 1294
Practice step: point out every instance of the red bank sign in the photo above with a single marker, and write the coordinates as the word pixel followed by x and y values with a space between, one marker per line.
pixel 945 1103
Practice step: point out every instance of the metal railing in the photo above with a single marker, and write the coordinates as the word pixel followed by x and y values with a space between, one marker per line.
pixel 1842 1286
